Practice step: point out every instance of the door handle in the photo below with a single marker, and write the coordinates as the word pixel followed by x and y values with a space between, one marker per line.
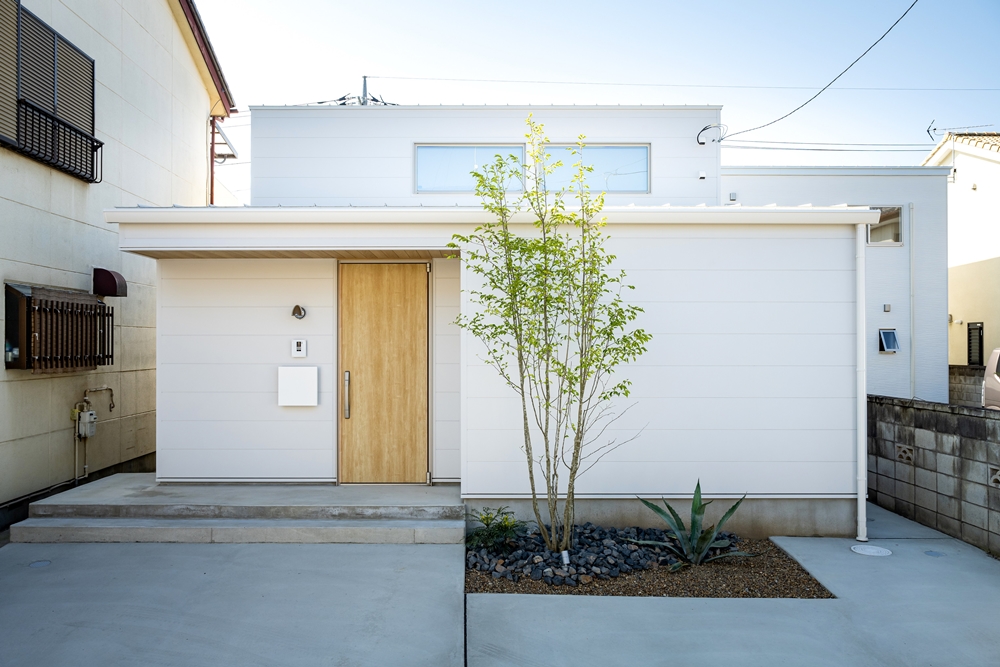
pixel 347 394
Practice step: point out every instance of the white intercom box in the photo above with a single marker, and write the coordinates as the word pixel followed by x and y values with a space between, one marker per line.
pixel 298 385
pixel 299 348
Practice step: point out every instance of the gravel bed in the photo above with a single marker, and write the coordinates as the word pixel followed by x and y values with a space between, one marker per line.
pixel 771 573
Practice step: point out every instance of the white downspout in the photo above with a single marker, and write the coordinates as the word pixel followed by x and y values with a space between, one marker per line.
pixel 913 318
pixel 861 390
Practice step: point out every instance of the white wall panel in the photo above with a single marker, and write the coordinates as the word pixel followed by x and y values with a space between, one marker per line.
pixel 749 383
pixel 445 371
pixel 335 156
pixel 224 328
pixel 888 268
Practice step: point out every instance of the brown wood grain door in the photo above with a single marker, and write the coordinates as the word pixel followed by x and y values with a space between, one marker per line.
pixel 383 346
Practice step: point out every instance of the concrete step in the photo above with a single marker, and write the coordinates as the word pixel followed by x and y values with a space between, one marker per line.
pixel 181 510
pixel 239 531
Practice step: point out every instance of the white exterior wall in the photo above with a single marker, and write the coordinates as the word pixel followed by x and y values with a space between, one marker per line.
pixel 364 156
pixel 151 112
pixel 918 297
pixel 224 327
pixel 748 383
pixel 446 359
pixel 973 215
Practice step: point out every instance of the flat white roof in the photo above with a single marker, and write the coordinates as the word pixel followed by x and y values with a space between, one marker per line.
pixel 581 107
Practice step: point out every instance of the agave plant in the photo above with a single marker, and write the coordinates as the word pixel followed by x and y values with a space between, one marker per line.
pixel 695 543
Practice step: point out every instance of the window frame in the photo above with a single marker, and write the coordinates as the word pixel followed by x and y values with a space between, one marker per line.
pixel 887 244
pixel 558 145
pixel 460 144
pixel 883 343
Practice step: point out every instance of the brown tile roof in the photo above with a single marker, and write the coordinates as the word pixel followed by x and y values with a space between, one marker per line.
pixel 986 140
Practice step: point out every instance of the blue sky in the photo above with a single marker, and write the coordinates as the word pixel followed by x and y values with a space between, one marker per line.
pixel 301 51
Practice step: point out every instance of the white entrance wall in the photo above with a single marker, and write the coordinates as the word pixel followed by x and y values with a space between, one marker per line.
pixel 748 383
pixel 225 326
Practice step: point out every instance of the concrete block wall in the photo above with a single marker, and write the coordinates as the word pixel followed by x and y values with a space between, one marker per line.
pixel 965 385
pixel 938 465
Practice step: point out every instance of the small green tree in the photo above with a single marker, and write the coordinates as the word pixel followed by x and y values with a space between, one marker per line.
pixel 550 313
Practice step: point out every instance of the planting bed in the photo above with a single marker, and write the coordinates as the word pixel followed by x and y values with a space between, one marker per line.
pixel 606 563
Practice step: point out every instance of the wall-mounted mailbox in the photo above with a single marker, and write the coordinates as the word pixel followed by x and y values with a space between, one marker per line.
pixel 298 386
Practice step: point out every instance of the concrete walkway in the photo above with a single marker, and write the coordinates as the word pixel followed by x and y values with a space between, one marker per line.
pixel 242 605
pixel 907 609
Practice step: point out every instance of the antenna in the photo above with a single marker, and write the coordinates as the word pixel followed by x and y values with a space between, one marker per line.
pixel 364 90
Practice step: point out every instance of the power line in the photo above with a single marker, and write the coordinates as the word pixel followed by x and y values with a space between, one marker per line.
pixel 828 150
pixel 825 143
pixel 834 78
pixel 645 84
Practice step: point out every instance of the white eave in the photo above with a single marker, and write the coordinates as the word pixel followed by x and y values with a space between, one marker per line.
pixel 383 232
pixel 473 215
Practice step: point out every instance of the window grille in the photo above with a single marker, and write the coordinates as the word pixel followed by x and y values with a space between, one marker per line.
pixel 46 95
pixel 975 330
pixel 56 331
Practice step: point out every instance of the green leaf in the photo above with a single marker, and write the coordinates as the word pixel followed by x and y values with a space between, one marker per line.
pixel 728 554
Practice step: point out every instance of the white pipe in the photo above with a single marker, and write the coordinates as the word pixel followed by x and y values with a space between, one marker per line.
pixel 861 389
pixel 913 319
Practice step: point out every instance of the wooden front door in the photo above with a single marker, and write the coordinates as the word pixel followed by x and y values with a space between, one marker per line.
pixel 383 373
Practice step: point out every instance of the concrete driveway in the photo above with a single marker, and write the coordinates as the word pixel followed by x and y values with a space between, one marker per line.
pixel 241 604
pixel 907 609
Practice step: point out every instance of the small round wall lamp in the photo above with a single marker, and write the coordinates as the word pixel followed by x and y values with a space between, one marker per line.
pixel 298 312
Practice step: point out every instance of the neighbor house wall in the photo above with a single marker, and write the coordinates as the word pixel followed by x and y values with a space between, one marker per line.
pixel 748 384
pixel 973 296
pixel 151 113
pixel 364 155
pixel 918 298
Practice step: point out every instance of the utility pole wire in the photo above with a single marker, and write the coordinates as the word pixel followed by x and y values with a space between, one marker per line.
pixel 752 129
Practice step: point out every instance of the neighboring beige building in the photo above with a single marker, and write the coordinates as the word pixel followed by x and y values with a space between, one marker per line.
pixel 973 243
pixel 102 104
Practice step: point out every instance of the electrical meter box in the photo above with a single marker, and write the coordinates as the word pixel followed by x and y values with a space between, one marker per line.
pixel 86 424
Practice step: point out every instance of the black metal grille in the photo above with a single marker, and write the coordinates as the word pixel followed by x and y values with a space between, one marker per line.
pixel 58 144
pixel 975 330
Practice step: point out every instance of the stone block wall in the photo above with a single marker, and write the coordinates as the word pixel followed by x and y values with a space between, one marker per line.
pixel 965 385
pixel 938 465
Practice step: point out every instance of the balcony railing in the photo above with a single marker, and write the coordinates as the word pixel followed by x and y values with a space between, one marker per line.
pixel 52 141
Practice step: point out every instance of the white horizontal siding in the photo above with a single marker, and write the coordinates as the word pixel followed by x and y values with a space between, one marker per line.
pixel 887 267
pixel 223 328
pixel 748 384
pixel 365 156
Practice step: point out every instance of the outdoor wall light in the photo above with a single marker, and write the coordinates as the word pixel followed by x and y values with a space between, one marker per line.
pixel 298 312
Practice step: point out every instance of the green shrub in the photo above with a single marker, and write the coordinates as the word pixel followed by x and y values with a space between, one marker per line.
pixel 696 542
pixel 498 531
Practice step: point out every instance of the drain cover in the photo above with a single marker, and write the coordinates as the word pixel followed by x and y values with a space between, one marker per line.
pixel 935 554
pixel 40 563
pixel 869 550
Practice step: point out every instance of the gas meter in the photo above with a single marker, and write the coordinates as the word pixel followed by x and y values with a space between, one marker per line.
pixel 86 424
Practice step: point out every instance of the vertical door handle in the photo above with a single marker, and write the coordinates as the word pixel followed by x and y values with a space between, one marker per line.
pixel 347 394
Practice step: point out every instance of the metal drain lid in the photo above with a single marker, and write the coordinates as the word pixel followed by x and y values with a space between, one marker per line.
pixel 870 550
